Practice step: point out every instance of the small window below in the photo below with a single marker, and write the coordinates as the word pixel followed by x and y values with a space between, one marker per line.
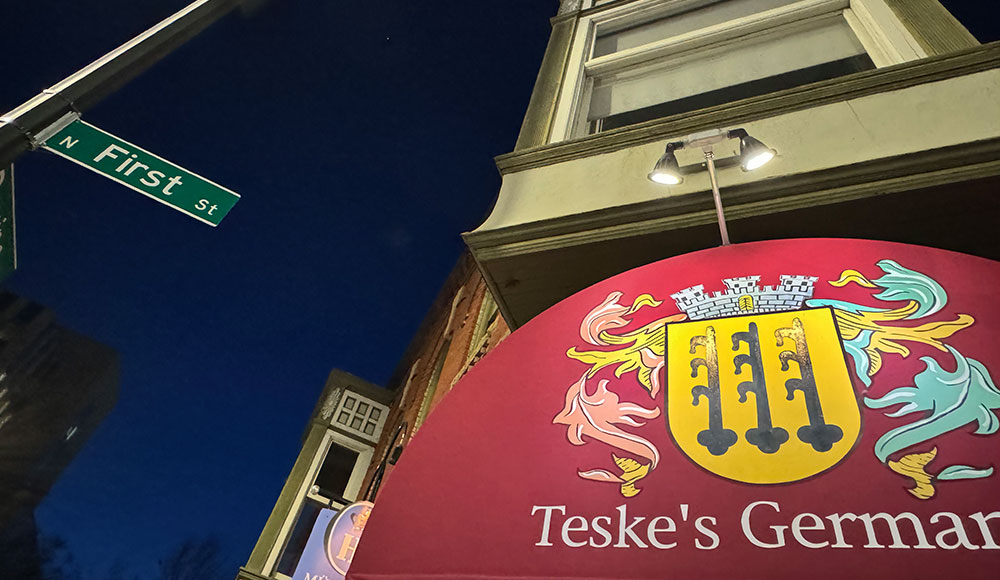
pixel 336 471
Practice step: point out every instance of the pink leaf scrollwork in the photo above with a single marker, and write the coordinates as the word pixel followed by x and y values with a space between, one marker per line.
pixel 597 416
pixel 610 315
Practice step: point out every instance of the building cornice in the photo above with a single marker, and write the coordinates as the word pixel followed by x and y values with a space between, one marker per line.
pixel 839 184
pixel 901 76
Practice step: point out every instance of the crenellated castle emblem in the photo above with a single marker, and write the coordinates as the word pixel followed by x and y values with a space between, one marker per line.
pixel 743 295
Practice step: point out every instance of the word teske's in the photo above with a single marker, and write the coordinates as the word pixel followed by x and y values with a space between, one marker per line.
pixel 763 525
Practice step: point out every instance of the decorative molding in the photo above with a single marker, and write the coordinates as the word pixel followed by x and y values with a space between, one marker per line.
pixel 591 10
pixel 542 104
pixel 568 7
pixel 934 28
pixel 932 69
pixel 870 178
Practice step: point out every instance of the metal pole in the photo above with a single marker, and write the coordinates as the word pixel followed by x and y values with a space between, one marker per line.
pixel 88 86
pixel 710 160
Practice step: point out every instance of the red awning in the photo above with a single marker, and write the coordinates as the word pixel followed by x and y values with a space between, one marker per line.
pixel 583 447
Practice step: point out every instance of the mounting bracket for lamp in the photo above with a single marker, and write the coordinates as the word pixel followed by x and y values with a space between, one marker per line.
pixel 720 163
pixel 708 138
pixel 752 155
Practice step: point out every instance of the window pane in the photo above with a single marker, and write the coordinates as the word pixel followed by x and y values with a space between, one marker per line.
pixel 343 418
pixel 356 422
pixel 298 538
pixel 369 428
pixel 376 413
pixel 363 408
pixel 349 403
pixel 336 471
pixel 791 56
pixel 677 24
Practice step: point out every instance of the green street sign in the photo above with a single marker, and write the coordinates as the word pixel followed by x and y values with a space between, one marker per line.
pixel 8 249
pixel 142 171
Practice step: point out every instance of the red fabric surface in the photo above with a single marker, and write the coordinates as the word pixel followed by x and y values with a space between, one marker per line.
pixel 459 503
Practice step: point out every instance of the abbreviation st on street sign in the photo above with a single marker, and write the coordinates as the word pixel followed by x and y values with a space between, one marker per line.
pixel 142 171
pixel 8 247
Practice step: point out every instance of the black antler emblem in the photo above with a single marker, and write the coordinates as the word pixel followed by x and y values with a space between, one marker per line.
pixel 717 439
pixel 766 437
pixel 817 433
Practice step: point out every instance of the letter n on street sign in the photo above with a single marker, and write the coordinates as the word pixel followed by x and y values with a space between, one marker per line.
pixel 140 170
pixel 8 248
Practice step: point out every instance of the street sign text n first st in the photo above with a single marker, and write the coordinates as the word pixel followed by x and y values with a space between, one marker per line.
pixel 142 171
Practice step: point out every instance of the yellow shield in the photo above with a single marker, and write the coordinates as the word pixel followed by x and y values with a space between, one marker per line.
pixel 761 399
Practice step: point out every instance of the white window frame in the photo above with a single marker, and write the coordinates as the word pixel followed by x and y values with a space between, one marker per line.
pixel 876 26
pixel 304 493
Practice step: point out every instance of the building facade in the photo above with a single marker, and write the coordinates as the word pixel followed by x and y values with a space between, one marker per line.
pixel 340 462
pixel 881 114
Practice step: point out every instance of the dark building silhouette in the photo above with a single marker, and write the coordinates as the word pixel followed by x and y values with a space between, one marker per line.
pixel 56 386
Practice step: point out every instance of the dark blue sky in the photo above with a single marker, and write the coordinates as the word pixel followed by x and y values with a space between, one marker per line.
pixel 361 137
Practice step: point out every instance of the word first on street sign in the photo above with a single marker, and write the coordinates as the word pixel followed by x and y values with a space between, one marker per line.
pixel 142 171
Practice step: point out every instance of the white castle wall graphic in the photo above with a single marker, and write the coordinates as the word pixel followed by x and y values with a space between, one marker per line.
pixel 744 296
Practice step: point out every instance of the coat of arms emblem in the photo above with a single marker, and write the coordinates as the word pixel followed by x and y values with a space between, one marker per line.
pixel 767 384
pixel 763 398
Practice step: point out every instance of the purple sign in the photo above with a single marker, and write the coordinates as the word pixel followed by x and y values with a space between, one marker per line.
pixel 331 545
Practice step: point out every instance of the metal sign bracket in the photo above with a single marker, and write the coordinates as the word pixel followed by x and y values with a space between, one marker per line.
pixel 38 139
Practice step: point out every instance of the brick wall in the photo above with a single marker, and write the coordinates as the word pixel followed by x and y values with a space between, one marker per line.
pixel 462 325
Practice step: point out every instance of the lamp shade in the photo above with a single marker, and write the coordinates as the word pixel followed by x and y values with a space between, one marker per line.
pixel 666 171
pixel 753 153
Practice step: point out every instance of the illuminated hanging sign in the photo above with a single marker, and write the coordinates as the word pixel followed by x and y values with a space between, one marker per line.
pixel 343 535
pixel 333 542
pixel 815 407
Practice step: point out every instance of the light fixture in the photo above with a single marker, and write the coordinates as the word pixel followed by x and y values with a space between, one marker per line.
pixel 753 154
pixel 666 171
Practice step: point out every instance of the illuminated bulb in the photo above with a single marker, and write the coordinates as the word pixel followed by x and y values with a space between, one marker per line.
pixel 666 171
pixel 759 159
pixel 664 178
pixel 753 153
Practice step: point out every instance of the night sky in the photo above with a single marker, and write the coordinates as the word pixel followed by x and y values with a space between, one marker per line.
pixel 360 136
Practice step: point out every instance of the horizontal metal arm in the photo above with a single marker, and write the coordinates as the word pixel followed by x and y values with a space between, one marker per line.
pixel 88 86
